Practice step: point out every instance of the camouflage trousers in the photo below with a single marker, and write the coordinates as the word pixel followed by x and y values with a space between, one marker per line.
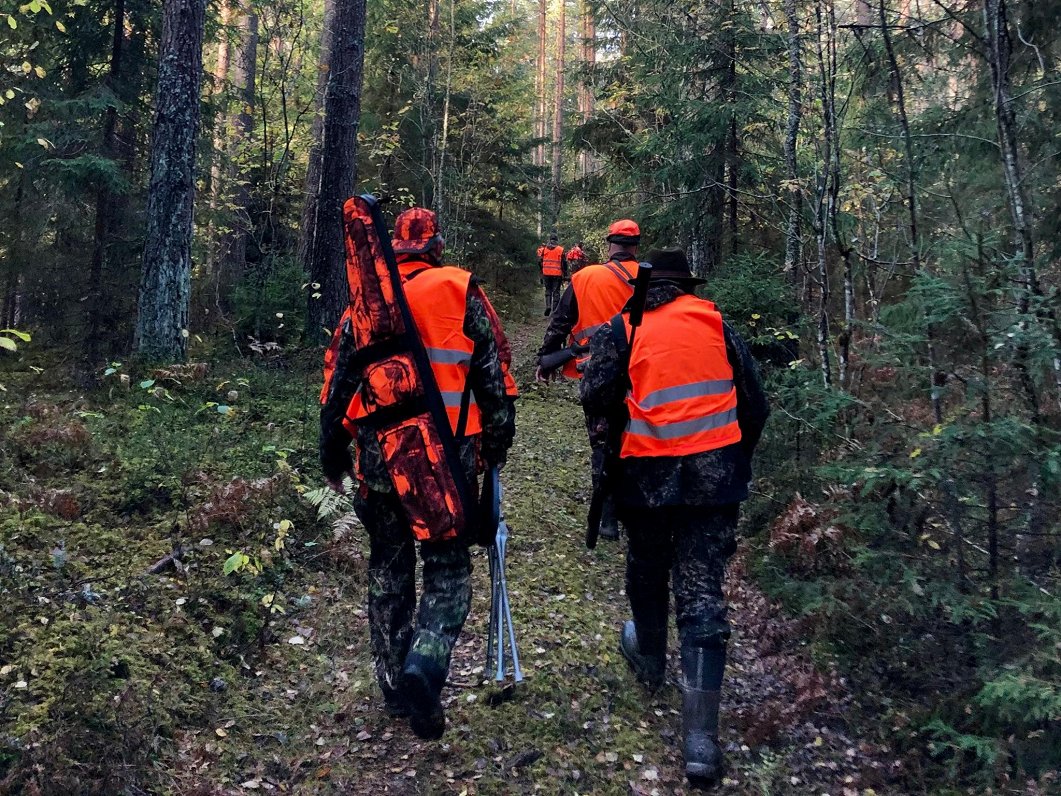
pixel 444 602
pixel 554 287
pixel 689 546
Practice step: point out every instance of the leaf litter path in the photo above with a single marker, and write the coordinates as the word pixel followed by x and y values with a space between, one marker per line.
pixel 579 723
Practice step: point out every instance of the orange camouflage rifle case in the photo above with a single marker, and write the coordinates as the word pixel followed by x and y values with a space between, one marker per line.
pixel 404 406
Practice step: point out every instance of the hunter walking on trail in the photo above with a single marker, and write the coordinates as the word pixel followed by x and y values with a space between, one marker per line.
pixel 576 259
pixel 466 349
pixel 596 293
pixel 554 271
pixel 691 406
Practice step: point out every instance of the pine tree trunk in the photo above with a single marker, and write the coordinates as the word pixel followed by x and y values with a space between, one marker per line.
pixel 233 255
pixel 539 122
pixel 586 164
pixel 558 111
pixel 313 170
pixel 342 114
pixel 218 88
pixel 165 287
pixel 105 202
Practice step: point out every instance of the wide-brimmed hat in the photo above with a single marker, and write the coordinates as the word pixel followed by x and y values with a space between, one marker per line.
pixel 415 231
pixel 671 264
pixel 625 232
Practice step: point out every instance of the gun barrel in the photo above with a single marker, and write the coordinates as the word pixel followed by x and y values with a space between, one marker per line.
pixel 557 359
pixel 637 304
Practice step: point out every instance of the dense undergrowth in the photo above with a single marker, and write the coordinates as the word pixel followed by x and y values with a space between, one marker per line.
pixel 175 619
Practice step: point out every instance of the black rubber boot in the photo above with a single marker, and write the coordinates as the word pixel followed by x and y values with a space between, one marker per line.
pixel 394 703
pixel 647 655
pixel 609 525
pixel 421 686
pixel 702 669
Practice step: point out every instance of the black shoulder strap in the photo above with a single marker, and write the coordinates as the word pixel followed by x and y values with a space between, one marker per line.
pixel 462 418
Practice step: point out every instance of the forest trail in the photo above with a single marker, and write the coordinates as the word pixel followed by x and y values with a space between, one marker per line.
pixel 579 723
pixel 187 682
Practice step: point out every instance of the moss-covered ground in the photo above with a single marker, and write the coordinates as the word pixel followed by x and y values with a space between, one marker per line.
pixel 130 662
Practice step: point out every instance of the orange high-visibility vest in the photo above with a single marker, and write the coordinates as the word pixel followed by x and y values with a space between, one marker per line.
pixel 682 399
pixel 601 292
pixel 552 260
pixel 438 299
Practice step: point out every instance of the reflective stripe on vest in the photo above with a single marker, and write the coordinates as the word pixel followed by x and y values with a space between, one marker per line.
pixel 552 257
pixel 601 291
pixel 438 300
pixel 682 399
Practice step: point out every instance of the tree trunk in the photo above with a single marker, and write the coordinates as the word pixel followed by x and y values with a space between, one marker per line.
pixel 219 88
pixel 342 114
pixel 105 202
pixel 314 167
pixel 162 320
pixel 732 136
pixel 793 231
pixel 13 266
pixel 558 111
pixel 540 107
pixel 586 163
pixel 835 180
pixel 826 75
pixel 439 191
pixel 232 260
pixel 911 205
pixel 1000 51
pixel 428 120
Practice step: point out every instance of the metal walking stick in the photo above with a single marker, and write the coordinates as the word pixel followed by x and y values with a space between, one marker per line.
pixel 500 608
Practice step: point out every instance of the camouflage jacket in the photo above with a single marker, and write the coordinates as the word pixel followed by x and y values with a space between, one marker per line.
pixel 487 382
pixel 714 478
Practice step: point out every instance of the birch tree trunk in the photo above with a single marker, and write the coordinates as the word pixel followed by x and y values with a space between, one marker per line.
pixel 165 287
pixel 342 113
